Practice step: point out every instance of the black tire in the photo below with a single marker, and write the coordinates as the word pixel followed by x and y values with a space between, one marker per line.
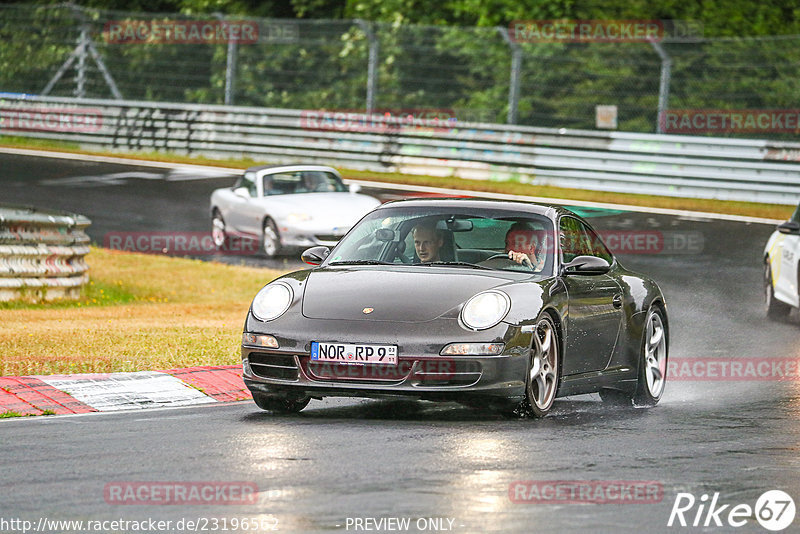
pixel 218 234
pixel 270 239
pixel 541 380
pixel 280 404
pixel 652 376
pixel 775 308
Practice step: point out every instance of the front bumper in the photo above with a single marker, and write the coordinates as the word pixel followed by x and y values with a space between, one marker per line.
pixel 421 371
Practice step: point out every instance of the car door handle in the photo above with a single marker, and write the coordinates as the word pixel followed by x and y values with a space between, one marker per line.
pixel 617 301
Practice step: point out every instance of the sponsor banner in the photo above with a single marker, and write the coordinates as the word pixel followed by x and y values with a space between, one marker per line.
pixel 180 31
pixel 585 492
pixel 695 121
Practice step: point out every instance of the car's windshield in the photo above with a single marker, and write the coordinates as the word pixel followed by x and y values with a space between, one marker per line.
pixel 290 183
pixel 435 236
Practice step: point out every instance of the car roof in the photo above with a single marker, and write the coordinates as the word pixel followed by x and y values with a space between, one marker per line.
pixel 272 169
pixel 547 210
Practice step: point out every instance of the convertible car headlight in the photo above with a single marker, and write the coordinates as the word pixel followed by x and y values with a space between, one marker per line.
pixel 485 310
pixel 272 301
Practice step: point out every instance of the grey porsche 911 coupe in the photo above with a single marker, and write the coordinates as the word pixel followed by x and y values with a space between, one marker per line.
pixel 495 304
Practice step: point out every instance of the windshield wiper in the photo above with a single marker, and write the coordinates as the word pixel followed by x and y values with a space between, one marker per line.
pixel 456 264
pixel 360 262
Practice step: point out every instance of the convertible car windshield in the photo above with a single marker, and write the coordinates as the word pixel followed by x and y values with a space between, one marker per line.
pixel 289 183
pixel 479 239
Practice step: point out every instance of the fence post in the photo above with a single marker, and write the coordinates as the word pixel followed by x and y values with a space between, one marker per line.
pixel 516 68
pixel 663 87
pixel 372 64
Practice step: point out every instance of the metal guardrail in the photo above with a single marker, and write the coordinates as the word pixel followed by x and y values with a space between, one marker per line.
pixel 671 165
pixel 42 254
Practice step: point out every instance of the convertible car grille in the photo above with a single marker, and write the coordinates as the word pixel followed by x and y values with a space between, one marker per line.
pixel 267 365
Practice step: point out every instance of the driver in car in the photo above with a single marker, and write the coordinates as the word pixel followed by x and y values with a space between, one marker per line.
pixel 525 244
pixel 427 242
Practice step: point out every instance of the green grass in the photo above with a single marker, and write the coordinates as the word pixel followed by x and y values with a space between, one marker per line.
pixel 140 312
pixel 753 209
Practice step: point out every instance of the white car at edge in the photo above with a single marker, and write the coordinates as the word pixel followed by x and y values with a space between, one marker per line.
pixel 287 206
pixel 781 268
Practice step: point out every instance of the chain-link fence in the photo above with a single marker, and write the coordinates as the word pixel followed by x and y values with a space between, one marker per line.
pixel 472 74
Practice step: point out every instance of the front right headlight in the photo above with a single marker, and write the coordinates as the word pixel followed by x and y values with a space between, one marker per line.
pixel 485 310
pixel 272 301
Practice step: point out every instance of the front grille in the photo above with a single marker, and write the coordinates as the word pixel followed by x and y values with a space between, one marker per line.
pixel 365 374
pixel 270 365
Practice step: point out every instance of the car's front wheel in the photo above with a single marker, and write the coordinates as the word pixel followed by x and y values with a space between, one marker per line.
pixel 218 234
pixel 775 308
pixel 653 363
pixel 541 382
pixel 280 404
pixel 271 240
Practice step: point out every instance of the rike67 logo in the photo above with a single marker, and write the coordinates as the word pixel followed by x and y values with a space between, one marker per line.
pixel 774 510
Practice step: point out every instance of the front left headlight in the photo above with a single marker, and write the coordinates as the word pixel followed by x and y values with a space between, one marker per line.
pixel 298 217
pixel 272 301
pixel 485 310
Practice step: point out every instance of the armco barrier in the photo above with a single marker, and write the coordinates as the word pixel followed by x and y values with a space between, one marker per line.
pixel 673 165
pixel 42 254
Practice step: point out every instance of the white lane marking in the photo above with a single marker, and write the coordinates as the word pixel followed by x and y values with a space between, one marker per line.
pixel 128 391
pixel 115 178
pixel 399 187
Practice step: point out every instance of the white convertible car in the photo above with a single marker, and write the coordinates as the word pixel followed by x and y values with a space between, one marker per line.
pixel 781 272
pixel 287 206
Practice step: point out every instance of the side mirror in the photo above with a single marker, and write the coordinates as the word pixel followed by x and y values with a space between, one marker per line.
pixel 586 265
pixel 789 227
pixel 315 255
pixel 241 192
pixel 355 188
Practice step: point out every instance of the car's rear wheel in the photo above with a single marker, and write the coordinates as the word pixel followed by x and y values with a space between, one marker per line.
pixel 541 382
pixel 775 308
pixel 271 240
pixel 218 234
pixel 280 404
pixel 653 363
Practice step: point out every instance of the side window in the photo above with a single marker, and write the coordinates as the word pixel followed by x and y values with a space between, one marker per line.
pixel 796 215
pixel 247 180
pixel 577 239
pixel 574 241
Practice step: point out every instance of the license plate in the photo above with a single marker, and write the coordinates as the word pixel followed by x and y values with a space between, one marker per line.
pixel 354 353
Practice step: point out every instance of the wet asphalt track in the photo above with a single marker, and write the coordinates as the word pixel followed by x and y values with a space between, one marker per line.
pixel 343 459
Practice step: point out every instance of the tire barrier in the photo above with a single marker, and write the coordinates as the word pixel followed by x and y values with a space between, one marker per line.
pixel 42 254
